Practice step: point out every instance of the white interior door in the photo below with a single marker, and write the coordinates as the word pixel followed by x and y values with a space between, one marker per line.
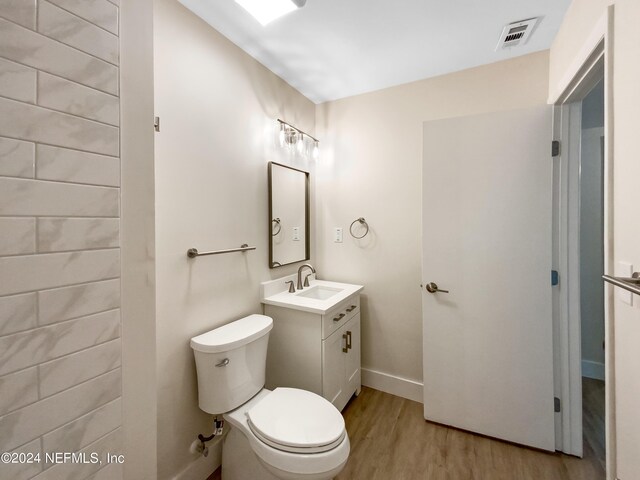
pixel 488 343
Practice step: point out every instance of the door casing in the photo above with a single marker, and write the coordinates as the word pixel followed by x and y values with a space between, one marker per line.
pixel 593 64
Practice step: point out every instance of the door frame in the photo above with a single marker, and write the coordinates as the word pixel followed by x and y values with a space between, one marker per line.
pixel 594 62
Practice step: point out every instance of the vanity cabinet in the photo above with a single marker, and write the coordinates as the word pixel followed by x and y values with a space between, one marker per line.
pixel 316 352
pixel 341 363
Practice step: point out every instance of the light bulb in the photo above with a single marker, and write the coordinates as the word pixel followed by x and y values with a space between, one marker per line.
pixel 316 151
pixel 282 135
pixel 301 144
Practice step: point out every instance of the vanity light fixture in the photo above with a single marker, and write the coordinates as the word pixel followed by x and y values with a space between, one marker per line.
pixel 265 11
pixel 290 136
pixel 300 144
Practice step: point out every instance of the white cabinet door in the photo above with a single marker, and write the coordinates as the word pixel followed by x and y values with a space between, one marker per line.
pixel 333 373
pixel 341 363
pixel 352 357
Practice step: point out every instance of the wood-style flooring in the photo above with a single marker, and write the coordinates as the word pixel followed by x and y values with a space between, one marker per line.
pixel 593 418
pixel 390 440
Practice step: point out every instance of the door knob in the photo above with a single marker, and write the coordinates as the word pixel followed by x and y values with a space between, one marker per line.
pixel 433 288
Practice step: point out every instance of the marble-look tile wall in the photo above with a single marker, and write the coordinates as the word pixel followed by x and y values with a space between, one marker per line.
pixel 60 353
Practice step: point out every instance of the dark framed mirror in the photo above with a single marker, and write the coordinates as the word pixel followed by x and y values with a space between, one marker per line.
pixel 288 215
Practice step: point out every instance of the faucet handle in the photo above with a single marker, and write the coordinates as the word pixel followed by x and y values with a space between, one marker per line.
pixel 292 289
pixel 306 279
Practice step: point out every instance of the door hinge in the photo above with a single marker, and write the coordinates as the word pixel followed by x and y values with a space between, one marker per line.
pixel 156 124
pixel 556 405
pixel 555 148
pixel 555 278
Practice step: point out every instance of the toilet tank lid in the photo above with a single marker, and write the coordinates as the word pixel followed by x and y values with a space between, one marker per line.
pixel 233 335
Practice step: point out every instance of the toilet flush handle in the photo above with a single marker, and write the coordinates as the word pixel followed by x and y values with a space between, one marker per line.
pixel 223 363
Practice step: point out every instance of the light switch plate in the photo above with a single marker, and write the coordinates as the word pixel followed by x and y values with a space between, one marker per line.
pixel 624 269
pixel 337 235
pixel 296 234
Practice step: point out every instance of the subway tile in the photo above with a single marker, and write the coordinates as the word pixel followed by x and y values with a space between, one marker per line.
pixel 79 433
pixel 38 51
pixel 23 471
pixel 33 197
pixel 19 11
pixel 30 122
pixel 76 32
pixel 66 165
pixel 109 444
pixel 25 349
pixel 65 303
pixel 99 12
pixel 17 158
pixel 18 235
pixel 17 81
pixel 60 234
pixel 113 471
pixel 18 389
pixel 41 417
pixel 64 95
pixel 18 312
pixel 65 372
pixel 27 273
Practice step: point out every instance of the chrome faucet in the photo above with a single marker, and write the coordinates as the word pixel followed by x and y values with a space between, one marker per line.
pixel 306 280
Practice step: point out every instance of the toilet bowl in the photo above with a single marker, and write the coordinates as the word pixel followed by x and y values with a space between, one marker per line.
pixel 293 434
pixel 286 433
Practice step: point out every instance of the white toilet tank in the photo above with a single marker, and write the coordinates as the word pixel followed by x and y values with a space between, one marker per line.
pixel 231 362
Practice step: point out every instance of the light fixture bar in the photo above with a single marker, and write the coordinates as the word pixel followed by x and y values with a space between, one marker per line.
pixel 299 131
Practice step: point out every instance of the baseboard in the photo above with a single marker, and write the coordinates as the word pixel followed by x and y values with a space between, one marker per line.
pixel 203 467
pixel 399 386
pixel 593 370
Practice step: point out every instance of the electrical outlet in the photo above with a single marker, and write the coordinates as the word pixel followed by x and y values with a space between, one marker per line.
pixel 295 234
pixel 337 235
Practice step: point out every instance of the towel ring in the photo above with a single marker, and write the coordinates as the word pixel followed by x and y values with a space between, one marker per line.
pixel 362 222
pixel 277 222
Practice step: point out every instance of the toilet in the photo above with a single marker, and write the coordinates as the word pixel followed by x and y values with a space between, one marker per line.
pixel 286 433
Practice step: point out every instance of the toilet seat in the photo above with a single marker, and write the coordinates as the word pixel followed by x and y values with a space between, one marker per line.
pixel 297 421
pixel 296 464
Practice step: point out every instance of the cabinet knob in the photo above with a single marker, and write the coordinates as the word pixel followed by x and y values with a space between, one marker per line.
pixel 345 349
pixel 351 308
pixel 349 340
pixel 338 318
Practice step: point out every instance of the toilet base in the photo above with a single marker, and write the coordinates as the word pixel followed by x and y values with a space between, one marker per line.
pixel 239 462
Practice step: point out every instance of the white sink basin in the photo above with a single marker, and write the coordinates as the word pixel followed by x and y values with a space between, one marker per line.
pixel 320 297
pixel 320 292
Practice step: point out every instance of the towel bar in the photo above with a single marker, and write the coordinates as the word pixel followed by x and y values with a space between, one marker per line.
pixel 630 284
pixel 193 252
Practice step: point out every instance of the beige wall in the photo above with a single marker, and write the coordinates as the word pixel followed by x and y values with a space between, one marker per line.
pixel 60 379
pixel 371 166
pixel 579 21
pixel 139 385
pixel 627 231
pixel 218 108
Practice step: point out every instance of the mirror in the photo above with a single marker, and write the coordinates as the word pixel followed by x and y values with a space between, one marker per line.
pixel 288 215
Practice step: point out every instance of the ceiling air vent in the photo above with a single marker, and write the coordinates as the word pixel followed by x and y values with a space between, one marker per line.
pixel 516 33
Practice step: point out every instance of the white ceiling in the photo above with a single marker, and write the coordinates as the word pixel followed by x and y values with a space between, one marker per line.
pixel 332 49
